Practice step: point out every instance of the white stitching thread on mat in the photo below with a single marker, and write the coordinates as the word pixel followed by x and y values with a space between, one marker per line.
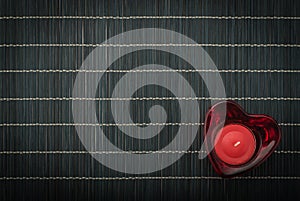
pixel 147 71
pixel 148 45
pixel 117 124
pixel 289 124
pixel 149 98
pixel 153 17
pixel 101 124
pixel 102 152
pixel 151 178
pixel 123 152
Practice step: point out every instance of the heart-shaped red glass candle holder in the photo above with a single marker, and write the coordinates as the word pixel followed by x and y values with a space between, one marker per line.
pixel 238 141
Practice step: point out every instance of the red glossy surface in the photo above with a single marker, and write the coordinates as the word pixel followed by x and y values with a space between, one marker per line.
pixel 235 144
pixel 265 130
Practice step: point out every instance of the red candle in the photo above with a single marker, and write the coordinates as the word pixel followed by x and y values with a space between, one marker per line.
pixel 235 144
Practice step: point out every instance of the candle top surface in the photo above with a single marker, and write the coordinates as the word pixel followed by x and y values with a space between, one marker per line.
pixel 235 144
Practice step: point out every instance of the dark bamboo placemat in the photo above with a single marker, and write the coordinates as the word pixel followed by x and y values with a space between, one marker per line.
pixel 41 156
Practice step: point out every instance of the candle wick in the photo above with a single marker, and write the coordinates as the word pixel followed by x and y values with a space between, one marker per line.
pixel 237 144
